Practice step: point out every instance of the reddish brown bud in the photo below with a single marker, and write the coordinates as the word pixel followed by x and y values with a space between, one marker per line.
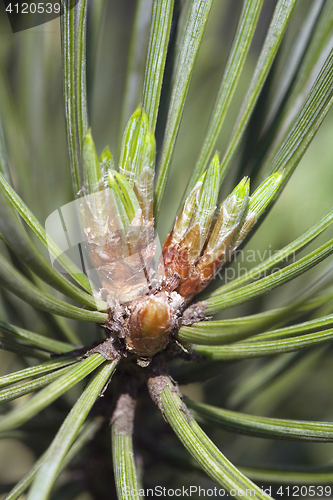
pixel 149 325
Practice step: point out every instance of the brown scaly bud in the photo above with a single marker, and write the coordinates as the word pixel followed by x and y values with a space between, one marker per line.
pixel 237 215
pixel 150 323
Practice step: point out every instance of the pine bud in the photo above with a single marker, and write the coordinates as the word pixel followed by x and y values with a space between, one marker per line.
pixel 150 324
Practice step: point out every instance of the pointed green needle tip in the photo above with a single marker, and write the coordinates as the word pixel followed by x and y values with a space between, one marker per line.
pixel 231 212
pixel 118 199
pixel 142 129
pixel 131 201
pixel 138 118
pixel 211 184
pixel 242 189
pixel 213 171
pixel 215 161
pixel 149 150
pixel 137 113
pixel 201 179
pixel 128 136
pixel 124 194
pixel 106 159
pixel 111 179
pixel 206 206
pixel 133 144
pixel 265 193
pixel 90 164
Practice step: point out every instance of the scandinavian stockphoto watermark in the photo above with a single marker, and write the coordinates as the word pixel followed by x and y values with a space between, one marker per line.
pixel 279 491
pixel 187 491
pixel 243 260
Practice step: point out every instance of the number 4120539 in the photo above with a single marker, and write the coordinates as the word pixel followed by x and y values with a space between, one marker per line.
pixel 33 8
pixel 304 491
